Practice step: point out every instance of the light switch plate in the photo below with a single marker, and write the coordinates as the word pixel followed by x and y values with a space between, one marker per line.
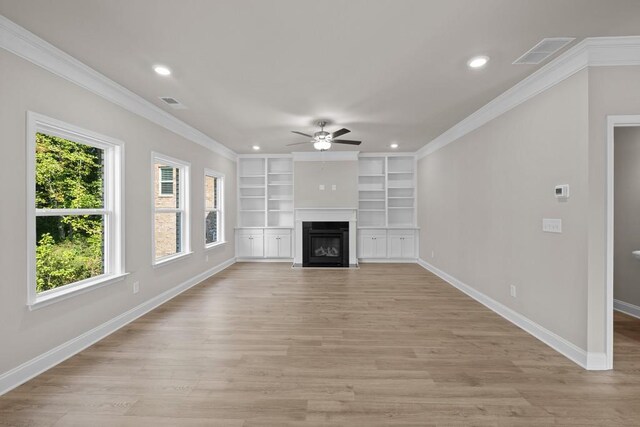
pixel 552 225
pixel 321 187
pixel 334 187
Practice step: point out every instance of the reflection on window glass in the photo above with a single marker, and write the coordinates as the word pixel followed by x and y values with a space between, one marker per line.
pixel 211 227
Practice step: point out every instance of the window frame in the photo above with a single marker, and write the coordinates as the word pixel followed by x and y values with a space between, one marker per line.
pixel 112 210
pixel 183 181
pixel 220 180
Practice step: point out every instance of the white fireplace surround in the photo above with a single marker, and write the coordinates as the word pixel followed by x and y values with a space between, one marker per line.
pixel 328 215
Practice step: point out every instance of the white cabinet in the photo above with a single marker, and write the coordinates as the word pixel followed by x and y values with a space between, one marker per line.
pixel 250 244
pixel 372 244
pixel 390 244
pixel 263 242
pixel 402 244
pixel 277 243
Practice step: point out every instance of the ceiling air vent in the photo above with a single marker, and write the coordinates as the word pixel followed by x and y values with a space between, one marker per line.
pixel 173 103
pixel 543 50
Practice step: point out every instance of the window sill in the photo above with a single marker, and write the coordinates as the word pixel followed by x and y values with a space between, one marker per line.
pixel 169 259
pixel 62 294
pixel 215 245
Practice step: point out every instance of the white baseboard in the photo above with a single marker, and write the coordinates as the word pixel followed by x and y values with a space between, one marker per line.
pixel 387 260
pixel 591 361
pixel 287 260
pixel 23 373
pixel 626 308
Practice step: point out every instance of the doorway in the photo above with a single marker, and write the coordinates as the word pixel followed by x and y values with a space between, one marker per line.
pixel 623 236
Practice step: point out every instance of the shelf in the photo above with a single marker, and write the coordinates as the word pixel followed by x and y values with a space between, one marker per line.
pixel 279 210
pixel 371 210
pixel 281 183
pixel 251 186
pixel 252 197
pixel 280 173
pixel 399 197
pixel 252 210
pixel 372 200
pixel 401 173
pixel 400 207
pixel 408 187
pixel 380 175
pixel 283 199
pixel 251 176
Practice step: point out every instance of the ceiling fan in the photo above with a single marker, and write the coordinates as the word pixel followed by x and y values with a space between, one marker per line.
pixel 322 139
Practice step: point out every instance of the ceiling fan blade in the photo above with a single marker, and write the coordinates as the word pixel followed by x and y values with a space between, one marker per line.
pixel 299 143
pixel 339 132
pixel 303 134
pixel 346 141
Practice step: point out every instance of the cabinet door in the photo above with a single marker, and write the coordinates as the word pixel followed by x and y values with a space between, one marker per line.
pixel 257 246
pixel 395 247
pixel 245 246
pixel 380 247
pixel 366 247
pixel 284 246
pixel 408 247
pixel 271 243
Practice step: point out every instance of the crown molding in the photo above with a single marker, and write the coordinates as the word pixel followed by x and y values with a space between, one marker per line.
pixel 591 52
pixel 27 45
pixel 324 156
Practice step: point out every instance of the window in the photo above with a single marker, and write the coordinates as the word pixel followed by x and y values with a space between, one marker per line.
pixel 170 208
pixel 74 203
pixel 166 181
pixel 213 208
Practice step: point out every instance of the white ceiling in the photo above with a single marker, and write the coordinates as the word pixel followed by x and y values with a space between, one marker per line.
pixel 250 71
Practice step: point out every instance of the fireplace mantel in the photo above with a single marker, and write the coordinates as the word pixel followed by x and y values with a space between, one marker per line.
pixel 326 214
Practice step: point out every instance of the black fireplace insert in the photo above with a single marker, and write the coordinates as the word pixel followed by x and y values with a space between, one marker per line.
pixel 325 244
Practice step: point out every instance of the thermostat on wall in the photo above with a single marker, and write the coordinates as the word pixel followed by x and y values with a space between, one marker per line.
pixel 562 191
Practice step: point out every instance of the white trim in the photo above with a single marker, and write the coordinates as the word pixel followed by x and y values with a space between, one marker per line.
pixel 27 45
pixel 612 123
pixel 23 373
pixel 112 212
pixel 288 260
pixel 562 346
pixel 626 308
pixel 591 52
pixel 54 295
pixel 387 260
pixel 324 156
pixel 184 181
pixel 220 190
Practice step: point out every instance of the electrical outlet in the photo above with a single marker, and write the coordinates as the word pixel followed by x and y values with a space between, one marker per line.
pixel 433 254
pixel 512 291
pixel 321 187
pixel 136 287
pixel 334 187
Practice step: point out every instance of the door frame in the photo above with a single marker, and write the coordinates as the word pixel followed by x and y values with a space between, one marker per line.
pixel 613 122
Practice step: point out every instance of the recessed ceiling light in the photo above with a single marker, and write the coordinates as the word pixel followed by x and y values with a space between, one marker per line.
pixel 256 147
pixel 478 61
pixel 394 145
pixel 162 70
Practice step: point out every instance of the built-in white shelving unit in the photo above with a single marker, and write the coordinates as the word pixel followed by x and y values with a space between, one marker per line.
pixel 387 207
pixel 265 213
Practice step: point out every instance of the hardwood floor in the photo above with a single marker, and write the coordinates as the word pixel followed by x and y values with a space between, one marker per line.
pixel 265 345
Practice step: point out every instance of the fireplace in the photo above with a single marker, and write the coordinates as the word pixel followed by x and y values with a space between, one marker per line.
pixel 325 244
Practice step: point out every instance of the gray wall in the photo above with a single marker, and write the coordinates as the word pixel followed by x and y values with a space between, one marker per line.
pixel 309 176
pixel 26 334
pixel 482 199
pixel 627 215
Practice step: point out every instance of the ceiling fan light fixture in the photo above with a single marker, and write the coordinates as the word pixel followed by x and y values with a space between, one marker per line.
pixel 322 145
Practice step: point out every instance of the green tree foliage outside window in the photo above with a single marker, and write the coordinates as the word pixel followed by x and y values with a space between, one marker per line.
pixel 69 175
